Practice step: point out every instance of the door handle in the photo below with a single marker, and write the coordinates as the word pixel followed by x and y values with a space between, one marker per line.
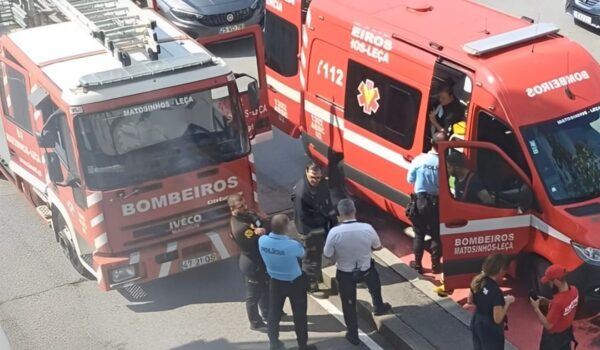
pixel 457 223
pixel 408 158
pixel 272 88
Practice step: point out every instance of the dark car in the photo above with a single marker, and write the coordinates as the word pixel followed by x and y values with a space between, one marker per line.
pixel 585 12
pixel 211 17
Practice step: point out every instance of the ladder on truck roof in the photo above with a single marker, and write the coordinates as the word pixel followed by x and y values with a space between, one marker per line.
pixel 119 25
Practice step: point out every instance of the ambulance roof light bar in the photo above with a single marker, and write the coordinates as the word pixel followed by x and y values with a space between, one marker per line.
pixel 118 24
pixel 517 36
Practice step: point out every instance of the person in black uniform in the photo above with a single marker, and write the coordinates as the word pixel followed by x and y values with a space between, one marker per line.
pixel 314 214
pixel 449 111
pixel 488 322
pixel 246 227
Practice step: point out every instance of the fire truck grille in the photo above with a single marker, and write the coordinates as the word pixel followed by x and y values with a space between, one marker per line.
pixel 185 222
pixel 226 18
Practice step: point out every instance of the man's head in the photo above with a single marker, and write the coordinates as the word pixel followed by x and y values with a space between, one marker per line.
pixel 237 204
pixel 313 173
pixel 438 137
pixel 346 209
pixel 279 224
pixel 446 96
pixel 555 275
pixel 457 164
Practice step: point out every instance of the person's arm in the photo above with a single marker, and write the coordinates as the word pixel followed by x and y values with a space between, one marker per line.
pixel 411 177
pixel 485 197
pixel 434 120
pixel 299 250
pixel 329 249
pixel 500 311
pixel 375 243
pixel 552 314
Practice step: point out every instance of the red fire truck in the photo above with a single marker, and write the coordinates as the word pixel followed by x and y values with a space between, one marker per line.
pixel 363 83
pixel 126 135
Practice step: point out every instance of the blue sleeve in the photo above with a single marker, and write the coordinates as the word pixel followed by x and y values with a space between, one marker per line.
pixel 411 177
pixel 299 250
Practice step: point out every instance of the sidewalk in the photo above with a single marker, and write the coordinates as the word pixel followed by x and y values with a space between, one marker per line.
pixel 421 320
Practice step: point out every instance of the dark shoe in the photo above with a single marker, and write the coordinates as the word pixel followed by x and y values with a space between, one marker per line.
pixel 258 326
pixel 382 310
pixel 416 266
pixel 278 345
pixel 352 339
pixel 437 268
pixel 308 347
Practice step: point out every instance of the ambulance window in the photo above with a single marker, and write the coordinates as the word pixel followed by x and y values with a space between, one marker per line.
pixel 281 45
pixel 16 92
pixel 492 130
pixel 381 105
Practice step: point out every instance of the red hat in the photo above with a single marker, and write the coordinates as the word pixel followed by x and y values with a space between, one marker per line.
pixel 553 272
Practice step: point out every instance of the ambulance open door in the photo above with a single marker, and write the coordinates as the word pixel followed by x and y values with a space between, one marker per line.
pixel 243 51
pixel 484 202
pixel 286 62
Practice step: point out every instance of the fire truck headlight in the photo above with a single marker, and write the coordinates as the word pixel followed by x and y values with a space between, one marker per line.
pixel 123 273
pixel 588 254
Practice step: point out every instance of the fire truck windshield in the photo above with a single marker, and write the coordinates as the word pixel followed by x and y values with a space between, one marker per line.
pixel 161 138
pixel 566 152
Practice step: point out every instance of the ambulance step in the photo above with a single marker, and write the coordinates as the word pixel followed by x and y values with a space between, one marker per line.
pixel 44 212
pixel 88 258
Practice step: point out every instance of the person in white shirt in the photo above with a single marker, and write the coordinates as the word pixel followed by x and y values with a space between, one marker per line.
pixel 350 245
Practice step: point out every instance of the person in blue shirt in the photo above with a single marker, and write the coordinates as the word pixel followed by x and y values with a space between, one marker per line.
pixel 282 258
pixel 424 212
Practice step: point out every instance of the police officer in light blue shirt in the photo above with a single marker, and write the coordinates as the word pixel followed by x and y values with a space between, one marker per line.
pixel 282 258
pixel 424 215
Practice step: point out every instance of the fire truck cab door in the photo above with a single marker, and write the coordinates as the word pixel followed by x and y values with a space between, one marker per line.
pixel 285 63
pixel 484 201
pixel 243 50
pixel 18 124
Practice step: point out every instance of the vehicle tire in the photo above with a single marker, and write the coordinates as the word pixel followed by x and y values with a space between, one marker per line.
pixel 69 250
pixel 537 268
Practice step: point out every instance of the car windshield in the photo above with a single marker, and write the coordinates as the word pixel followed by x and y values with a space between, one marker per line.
pixel 161 138
pixel 566 153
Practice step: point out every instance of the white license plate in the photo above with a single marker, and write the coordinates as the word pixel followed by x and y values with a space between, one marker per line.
pixel 232 28
pixel 198 261
pixel 584 18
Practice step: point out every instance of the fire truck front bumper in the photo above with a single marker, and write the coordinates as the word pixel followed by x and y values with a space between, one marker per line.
pixel 165 259
pixel 587 280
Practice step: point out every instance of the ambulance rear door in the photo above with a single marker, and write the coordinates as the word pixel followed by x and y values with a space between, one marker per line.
pixel 243 50
pixel 285 62
pixel 484 208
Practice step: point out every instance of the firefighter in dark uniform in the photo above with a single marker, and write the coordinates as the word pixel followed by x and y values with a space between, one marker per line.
pixel 314 214
pixel 246 227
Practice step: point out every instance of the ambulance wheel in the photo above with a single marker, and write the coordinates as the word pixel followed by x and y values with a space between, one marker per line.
pixel 538 268
pixel 69 250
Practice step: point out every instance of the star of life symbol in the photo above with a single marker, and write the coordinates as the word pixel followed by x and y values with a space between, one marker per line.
pixel 368 95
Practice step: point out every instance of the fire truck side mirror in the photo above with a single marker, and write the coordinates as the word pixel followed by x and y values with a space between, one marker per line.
pixel 253 95
pixel 55 172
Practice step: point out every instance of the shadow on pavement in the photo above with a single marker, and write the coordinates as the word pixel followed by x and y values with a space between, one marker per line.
pixel 219 282
pixel 338 343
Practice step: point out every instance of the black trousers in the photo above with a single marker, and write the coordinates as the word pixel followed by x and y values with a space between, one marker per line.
pixel 486 334
pixel 557 341
pixel 296 292
pixel 428 223
pixel 257 290
pixel 313 259
pixel 347 285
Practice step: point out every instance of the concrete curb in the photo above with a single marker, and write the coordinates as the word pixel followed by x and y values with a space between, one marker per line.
pixel 393 328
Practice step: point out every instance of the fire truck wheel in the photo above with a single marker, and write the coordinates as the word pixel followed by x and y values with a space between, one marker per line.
pixel 69 250
pixel 538 267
